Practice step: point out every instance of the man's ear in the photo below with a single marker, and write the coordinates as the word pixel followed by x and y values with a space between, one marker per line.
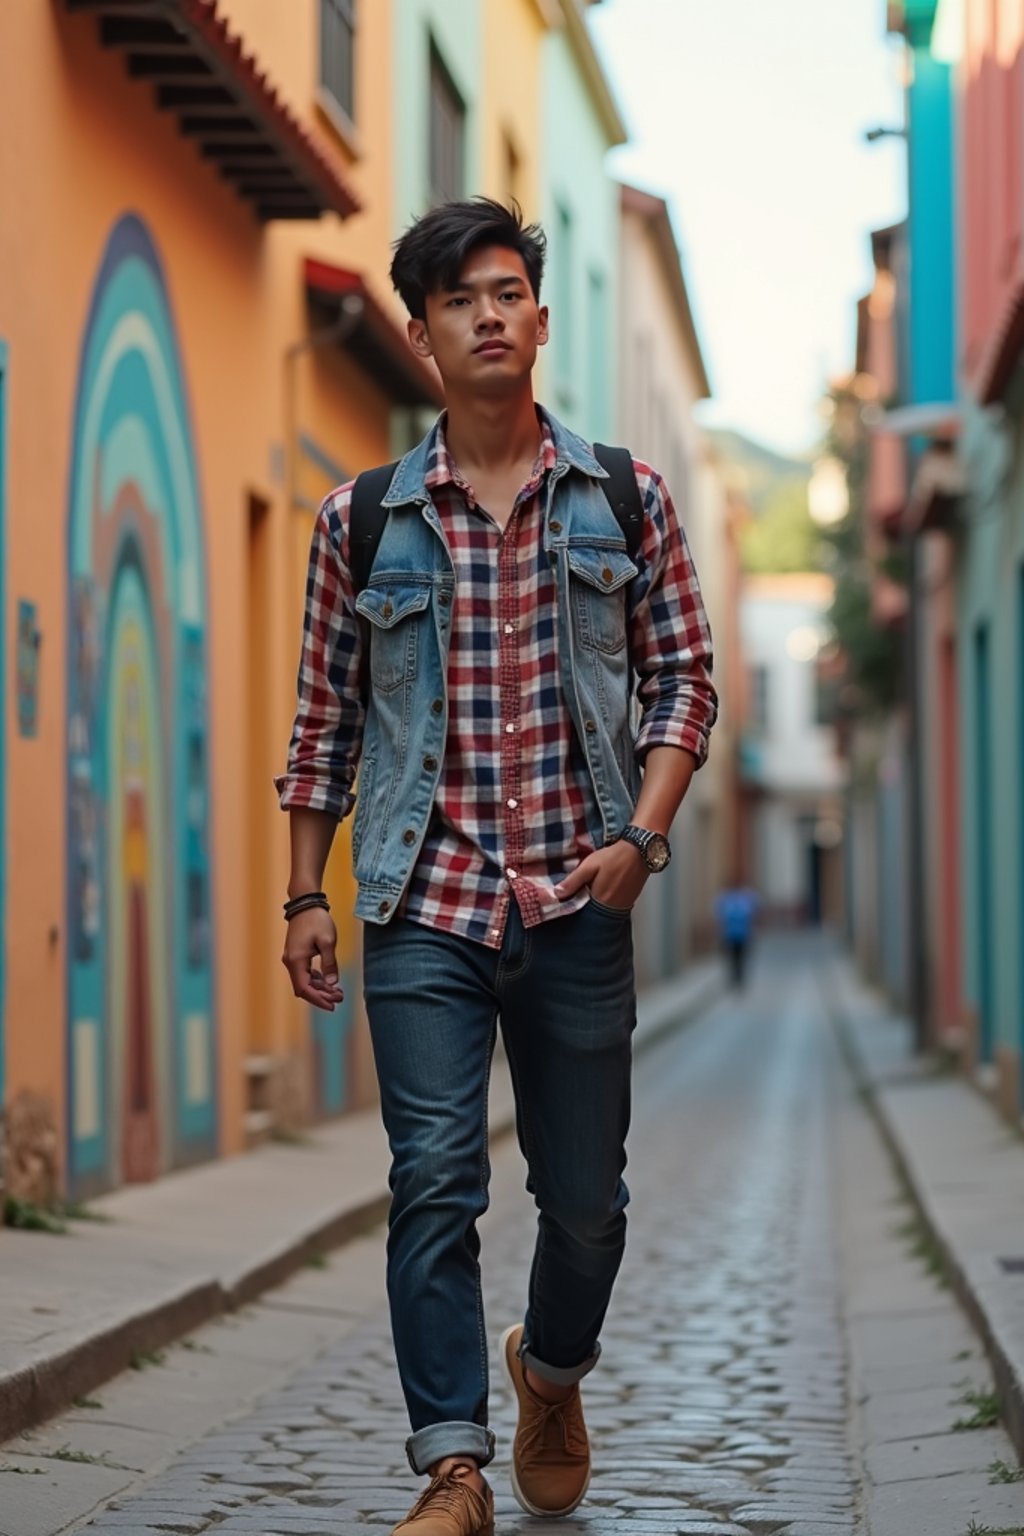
pixel 419 338
pixel 542 326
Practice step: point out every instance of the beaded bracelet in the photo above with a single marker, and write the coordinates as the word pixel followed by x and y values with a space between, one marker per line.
pixel 304 903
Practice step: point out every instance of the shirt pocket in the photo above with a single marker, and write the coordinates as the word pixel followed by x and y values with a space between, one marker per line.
pixel 393 610
pixel 598 577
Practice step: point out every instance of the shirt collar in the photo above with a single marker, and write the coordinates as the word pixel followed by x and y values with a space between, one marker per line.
pixel 442 468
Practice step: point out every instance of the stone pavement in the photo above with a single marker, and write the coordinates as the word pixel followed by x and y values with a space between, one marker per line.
pixel 965 1167
pixel 764 1255
pixel 168 1256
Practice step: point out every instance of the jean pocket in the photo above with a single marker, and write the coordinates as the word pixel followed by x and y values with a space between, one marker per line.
pixel 622 913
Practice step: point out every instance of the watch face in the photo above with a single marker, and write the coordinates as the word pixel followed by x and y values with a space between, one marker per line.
pixel 657 853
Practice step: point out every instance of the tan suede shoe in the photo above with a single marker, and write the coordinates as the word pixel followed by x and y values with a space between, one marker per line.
pixel 450 1506
pixel 551 1452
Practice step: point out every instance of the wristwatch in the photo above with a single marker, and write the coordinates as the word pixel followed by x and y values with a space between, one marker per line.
pixel 653 847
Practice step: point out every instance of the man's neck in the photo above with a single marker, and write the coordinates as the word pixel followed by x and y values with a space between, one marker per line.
pixel 493 435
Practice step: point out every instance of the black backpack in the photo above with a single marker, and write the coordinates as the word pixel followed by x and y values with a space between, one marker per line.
pixel 366 524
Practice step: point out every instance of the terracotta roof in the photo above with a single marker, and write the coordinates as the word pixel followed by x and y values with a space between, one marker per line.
pixel 374 339
pixel 226 102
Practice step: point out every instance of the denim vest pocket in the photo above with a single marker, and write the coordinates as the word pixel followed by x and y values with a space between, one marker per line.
pixel 391 606
pixel 598 600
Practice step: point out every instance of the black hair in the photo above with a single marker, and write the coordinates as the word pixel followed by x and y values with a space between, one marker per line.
pixel 430 256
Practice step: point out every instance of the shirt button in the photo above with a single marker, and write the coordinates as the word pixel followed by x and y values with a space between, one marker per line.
pixel 510 629
pixel 512 874
pixel 510 728
pixel 512 804
pixel 495 933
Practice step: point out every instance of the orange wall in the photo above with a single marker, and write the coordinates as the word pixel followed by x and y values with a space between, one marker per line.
pixel 83 144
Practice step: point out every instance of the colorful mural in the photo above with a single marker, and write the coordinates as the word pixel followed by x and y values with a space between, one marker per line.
pixel 142 1092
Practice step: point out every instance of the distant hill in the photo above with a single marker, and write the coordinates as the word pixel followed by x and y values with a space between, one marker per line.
pixel 779 535
pixel 761 471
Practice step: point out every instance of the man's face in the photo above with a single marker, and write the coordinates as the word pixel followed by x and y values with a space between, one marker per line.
pixel 484 333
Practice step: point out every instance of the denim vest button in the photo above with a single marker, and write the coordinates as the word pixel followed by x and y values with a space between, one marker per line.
pixel 387 610
pixel 437 705
pixel 430 763
pixel 444 599
pixel 606 574
pixel 555 527
pixel 589 727
pixel 408 836
pixel 384 908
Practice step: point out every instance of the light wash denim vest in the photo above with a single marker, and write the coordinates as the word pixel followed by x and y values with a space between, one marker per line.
pixel 407 604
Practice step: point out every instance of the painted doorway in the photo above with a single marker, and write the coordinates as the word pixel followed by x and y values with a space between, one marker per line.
pixel 142 1089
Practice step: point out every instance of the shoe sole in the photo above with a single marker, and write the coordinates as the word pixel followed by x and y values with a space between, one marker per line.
pixel 521 1499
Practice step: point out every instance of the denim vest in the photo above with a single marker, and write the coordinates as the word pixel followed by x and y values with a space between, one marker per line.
pixel 407 606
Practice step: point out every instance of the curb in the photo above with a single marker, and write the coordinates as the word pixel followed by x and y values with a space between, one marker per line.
pixel 31 1393
pixel 1008 1380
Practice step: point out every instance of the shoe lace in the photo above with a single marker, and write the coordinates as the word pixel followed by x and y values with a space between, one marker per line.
pixel 556 1427
pixel 448 1493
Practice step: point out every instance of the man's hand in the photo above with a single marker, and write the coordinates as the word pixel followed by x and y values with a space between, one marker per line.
pixel 312 936
pixel 616 875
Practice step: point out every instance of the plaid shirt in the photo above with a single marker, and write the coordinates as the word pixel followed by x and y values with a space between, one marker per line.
pixel 511 813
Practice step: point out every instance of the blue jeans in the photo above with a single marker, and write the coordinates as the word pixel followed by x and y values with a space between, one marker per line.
pixel 565 995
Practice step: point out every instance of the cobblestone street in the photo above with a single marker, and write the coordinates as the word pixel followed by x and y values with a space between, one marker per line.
pixel 722 1405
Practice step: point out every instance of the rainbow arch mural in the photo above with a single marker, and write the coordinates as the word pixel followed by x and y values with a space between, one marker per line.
pixel 141 1028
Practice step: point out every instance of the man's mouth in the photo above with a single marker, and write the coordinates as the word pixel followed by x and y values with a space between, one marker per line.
pixel 492 346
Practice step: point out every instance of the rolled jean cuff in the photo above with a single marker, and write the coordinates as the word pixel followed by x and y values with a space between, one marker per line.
pixel 561 1375
pixel 433 1443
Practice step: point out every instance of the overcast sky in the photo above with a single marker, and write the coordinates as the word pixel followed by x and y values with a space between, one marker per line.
pixel 749 117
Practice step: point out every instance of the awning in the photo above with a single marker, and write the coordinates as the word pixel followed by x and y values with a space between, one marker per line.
pixel 373 338
pixel 222 99
pixel 932 418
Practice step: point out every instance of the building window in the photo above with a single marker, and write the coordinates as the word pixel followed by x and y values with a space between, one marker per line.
pixel 337 53
pixel 447 134
pixel 561 320
pixel 758 718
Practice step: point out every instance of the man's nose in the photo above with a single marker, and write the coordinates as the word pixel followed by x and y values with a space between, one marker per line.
pixel 488 316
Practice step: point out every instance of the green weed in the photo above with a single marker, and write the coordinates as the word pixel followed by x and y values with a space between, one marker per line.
pixel 1002 1472
pixel 141 1359
pixel 86 1402
pixel 986 1410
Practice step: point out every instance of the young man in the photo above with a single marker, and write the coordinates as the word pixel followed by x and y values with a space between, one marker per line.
pixel 481 677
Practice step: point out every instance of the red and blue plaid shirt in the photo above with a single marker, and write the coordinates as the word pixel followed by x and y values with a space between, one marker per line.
pixel 511 812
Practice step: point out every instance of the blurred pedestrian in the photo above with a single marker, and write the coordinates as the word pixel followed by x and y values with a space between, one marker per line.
pixel 476 616
pixel 736 910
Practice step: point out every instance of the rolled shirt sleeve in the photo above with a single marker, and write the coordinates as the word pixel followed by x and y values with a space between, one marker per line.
pixel 323 753
pixel 670 638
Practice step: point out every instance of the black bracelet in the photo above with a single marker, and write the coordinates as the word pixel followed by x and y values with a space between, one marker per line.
pixel 304 903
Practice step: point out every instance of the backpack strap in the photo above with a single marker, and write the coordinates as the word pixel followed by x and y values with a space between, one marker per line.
pixel 367 520
pixel 622 493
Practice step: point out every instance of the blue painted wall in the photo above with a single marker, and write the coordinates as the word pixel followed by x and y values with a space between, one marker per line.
pixel 932 375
